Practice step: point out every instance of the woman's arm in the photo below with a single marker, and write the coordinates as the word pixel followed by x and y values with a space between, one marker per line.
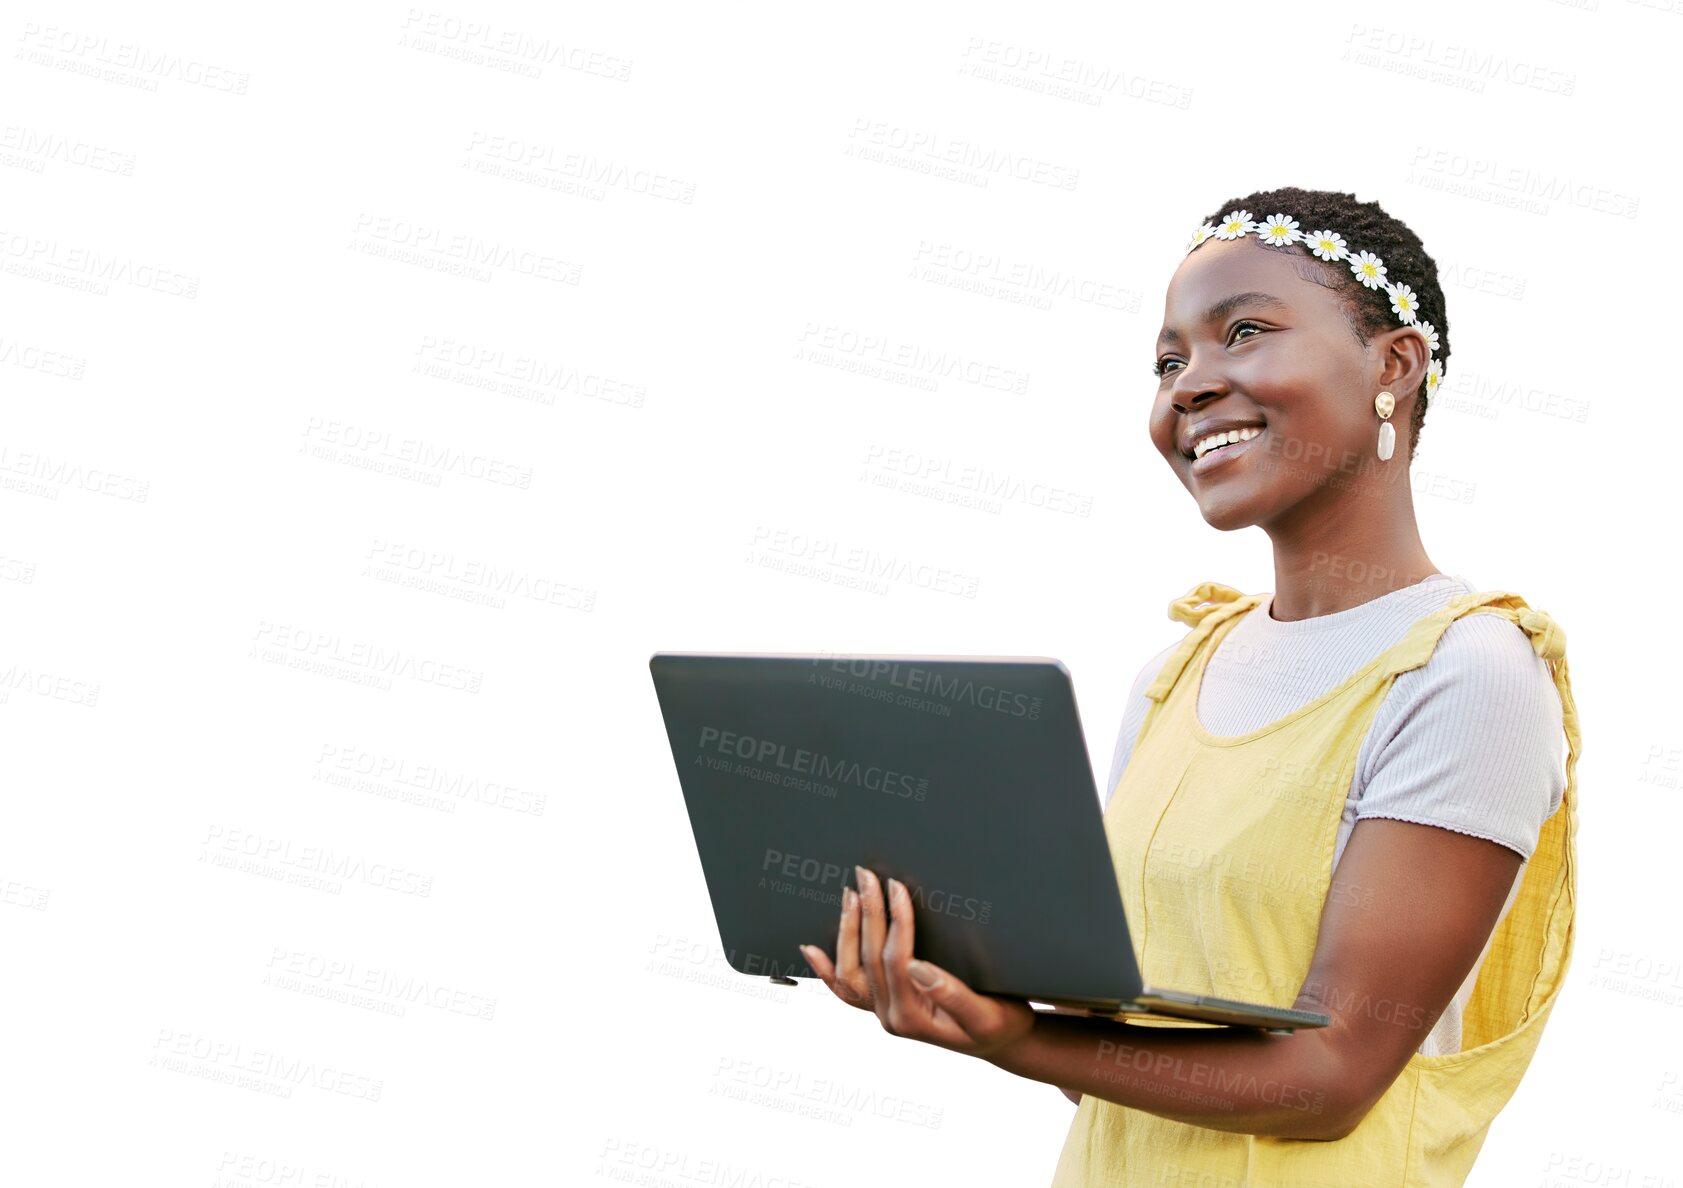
pixel 1225 1079
pixel 1410 909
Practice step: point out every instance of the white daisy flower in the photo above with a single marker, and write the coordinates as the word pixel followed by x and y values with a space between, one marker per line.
pixel 1368 268
pixel 1434 377
pixel 1328 245
pixel 1279 229
pixel 1431 333
pixel 1235 224
pixel 1404 303
pixel 1200 235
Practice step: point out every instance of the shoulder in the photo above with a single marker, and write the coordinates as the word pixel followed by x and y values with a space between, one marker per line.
pixel 1472 739
pixel 1134 711
pixel 1482 673
pixel 1483 651
pixel 1148 672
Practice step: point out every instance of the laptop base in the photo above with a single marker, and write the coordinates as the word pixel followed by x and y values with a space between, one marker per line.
pixel 1193 1008
pixel 1182 1007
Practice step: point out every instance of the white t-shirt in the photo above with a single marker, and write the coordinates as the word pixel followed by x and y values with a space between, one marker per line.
pixel 1472 740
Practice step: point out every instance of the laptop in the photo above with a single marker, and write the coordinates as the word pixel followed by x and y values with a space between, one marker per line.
pixel 966 778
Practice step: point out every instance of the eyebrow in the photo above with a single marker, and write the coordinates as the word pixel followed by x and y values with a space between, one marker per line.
pixel 1224 307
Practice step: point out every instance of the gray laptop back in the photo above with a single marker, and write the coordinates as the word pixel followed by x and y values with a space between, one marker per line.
pixel 967 779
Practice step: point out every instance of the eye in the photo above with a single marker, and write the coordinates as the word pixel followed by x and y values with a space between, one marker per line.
pixel 1159 368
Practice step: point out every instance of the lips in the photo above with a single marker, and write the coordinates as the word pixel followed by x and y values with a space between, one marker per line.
pixel 1225 455
pixel 1209 429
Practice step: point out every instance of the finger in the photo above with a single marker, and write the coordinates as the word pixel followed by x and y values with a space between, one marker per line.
pixel 822 966
pixel 850 975
pixel 897 945
pixel 956 1013
pixel 911 1011
pixel 933 1005
pixel 953 1013
pixel 873 932
pixel 847 934
pixel 826 971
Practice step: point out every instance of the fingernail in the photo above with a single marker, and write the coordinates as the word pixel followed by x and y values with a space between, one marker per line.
pixel 924 975
pixel 896 888
pixel 863 877
pixel 806 952
pixel 849 896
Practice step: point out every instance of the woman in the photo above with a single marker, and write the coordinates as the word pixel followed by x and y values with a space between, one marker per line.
pixel 1346 796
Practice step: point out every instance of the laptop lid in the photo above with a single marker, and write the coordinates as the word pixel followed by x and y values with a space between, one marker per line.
pixel 966 778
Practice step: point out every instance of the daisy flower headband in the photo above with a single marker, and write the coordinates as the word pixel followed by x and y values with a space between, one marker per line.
pixel 1282 230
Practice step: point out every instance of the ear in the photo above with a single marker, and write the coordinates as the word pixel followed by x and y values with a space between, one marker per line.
pixel 1404 358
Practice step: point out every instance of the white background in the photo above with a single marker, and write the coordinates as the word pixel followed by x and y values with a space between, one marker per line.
pixel 228 315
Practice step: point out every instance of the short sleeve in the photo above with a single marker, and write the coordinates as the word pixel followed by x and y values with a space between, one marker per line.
pixel 1472 740
pixel 1133 717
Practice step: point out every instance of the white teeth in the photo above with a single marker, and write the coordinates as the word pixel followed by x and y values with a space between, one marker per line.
pixel 1206 444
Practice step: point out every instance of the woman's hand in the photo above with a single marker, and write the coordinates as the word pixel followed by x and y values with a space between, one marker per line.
pixel 913 999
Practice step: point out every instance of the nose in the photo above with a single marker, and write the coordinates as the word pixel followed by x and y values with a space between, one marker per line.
pixel 1194 387
pixel 1184 405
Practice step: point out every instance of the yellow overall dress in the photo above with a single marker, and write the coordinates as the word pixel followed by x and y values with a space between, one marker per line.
pixel 1223 848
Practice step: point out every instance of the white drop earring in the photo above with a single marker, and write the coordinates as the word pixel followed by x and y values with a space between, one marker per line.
pixel 1384 404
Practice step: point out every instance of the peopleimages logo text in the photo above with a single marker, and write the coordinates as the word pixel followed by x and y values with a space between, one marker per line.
pixel 848 771
pixel 818 874
pixel 932 683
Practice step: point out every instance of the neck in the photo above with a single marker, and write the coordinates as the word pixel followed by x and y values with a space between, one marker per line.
pixel 1347 546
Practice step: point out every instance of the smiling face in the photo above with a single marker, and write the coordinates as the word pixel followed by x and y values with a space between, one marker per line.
pixel 1246 339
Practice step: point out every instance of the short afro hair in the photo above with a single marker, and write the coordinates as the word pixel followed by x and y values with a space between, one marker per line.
pixel 1366 227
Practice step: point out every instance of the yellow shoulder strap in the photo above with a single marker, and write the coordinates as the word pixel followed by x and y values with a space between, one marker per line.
pixel 1196 603
pixel 1548 640
pixel 1204 607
